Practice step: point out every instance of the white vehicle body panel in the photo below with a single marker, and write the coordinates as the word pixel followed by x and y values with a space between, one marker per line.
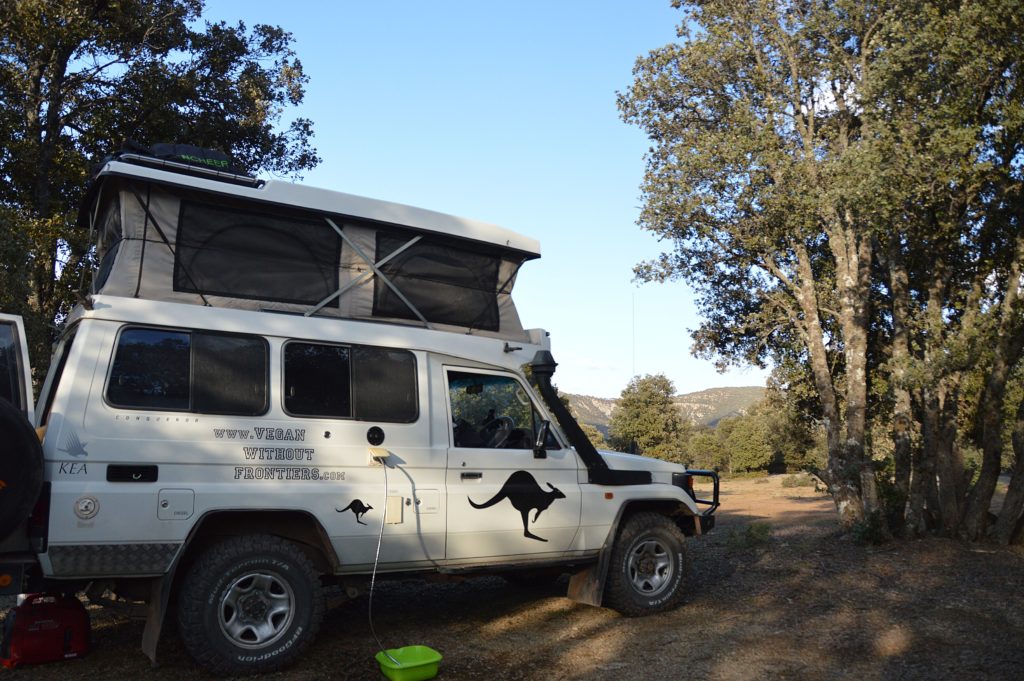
pixel 318 466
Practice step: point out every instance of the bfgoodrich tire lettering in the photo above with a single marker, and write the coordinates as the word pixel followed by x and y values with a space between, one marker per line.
pixel 250 604
pixel 648 568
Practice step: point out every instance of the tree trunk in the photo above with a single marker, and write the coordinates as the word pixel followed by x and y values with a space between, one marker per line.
pixel 939 435
pixel 923 468
pixel 1007 353
pixel 853 255
pixel 924 493
pixel 902 424
pixel 1013 505
pixel 843 487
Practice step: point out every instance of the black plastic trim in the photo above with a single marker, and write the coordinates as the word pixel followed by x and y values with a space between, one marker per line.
pixel 132 473
pixel 598 472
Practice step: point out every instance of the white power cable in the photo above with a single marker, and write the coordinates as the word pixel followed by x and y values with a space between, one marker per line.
pixel 376 560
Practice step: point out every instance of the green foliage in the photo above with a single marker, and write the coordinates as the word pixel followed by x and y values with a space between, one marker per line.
pixel 772 437
pixel 646 418
pixel 594 435
pixel 78 77
pixel 748 444
pixel 705 450
pixel 841 184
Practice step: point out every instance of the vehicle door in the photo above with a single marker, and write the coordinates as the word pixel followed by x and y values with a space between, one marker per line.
pixel 15 376
pixel 505 499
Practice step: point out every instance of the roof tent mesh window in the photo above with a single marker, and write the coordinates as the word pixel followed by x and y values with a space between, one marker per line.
pixel 110 241
pixel 448 285
pixel 241 254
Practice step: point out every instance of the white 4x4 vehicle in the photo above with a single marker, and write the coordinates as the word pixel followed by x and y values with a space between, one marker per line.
pixel 219 413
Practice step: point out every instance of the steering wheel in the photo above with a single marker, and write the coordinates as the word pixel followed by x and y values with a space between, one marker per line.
pixel 496 431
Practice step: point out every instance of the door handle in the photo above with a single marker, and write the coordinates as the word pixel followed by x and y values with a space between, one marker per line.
pixel 472 476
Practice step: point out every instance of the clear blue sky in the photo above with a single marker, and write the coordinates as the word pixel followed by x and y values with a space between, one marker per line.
pixel 505 112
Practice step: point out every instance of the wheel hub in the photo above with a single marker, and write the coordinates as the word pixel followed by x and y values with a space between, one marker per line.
pixel 651 567
pixel 253 607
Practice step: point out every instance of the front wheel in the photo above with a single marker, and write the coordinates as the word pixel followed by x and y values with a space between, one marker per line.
pixel 250 604
pixel 648 566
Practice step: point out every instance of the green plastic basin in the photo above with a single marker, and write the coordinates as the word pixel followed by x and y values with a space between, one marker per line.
pixel 415 663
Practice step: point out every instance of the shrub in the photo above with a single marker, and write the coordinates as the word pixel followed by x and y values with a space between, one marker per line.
pixel 799 480
pixel 753 536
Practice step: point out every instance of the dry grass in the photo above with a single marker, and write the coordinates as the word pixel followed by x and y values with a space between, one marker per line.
pixel 799 601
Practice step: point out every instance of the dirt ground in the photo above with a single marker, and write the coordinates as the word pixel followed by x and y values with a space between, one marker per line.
pixel 776 593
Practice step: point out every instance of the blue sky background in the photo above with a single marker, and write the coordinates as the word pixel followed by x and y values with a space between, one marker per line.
pixel 505 112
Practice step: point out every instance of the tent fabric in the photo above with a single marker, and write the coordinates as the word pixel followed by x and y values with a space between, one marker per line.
pixel 445 283
pixel 244 254
pixel 163 242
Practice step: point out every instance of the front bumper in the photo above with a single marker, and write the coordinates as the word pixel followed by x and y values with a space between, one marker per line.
pixel 685 482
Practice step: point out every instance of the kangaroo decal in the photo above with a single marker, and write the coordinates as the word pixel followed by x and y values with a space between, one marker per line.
pixel 522 490
pixel 357 507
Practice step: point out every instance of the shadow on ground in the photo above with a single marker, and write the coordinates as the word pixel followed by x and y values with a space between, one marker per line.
pixel 790 599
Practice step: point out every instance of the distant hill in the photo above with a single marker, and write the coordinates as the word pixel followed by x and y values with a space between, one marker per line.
pixel 703 408
pixel 710 406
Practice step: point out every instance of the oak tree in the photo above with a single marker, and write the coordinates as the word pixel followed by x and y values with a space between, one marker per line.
pixel 79 77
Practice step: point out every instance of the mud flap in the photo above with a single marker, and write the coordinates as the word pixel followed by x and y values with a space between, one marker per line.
pixel 159 596
pixel 587 585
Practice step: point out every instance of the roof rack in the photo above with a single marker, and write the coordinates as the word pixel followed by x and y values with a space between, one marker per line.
pixel 190 169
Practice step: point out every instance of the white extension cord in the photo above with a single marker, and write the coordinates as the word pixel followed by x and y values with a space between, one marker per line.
pixel 376 560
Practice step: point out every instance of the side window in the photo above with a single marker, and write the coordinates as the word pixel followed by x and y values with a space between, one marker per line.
pixel 200 372
pixel 361 382
pixel 384 383
pixel 230 374
pixel 491 411
pixel 58 372
pixel 316 380
pixel 11 370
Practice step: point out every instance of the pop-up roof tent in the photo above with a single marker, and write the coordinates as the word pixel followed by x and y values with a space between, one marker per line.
pixel 175 230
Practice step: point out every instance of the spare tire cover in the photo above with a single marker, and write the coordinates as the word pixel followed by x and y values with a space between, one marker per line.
pixel 21 468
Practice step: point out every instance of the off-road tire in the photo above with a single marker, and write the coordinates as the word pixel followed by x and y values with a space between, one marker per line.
pixel 21 468
pixel 649 567
pixel 250 604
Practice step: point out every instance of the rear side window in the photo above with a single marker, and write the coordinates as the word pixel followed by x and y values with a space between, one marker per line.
pixel 316 380
pixel 12 375
pixel 360 382
pixel 201 372
pixel 58 372
pixel 384 381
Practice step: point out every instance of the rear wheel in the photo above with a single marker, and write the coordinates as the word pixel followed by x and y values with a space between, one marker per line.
pixel 648 566
pixel 21 467
pixel 250 604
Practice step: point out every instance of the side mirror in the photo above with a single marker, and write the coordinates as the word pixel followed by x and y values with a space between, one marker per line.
pixel 540 450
